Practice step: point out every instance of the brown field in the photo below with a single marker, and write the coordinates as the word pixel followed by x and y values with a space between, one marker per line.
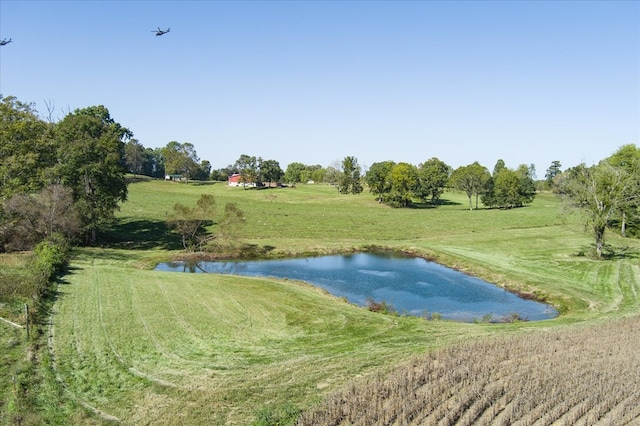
pixel 569 376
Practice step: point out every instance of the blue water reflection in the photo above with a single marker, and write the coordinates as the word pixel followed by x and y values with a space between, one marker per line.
pixel 411 285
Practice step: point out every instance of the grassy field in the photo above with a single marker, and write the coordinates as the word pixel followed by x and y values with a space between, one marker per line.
pixel 142 347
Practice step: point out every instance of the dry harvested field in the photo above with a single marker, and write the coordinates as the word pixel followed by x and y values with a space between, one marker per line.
pixel 569 376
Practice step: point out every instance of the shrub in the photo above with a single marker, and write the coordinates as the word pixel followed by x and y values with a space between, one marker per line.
pixel 380 307
pixel 50 259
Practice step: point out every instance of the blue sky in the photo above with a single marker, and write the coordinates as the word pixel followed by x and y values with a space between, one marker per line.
pixel 315 81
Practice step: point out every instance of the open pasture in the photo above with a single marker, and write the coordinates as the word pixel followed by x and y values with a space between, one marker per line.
pixel 147 347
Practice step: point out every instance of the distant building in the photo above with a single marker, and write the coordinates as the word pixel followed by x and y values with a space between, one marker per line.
pixel 235 180
pixel 174 177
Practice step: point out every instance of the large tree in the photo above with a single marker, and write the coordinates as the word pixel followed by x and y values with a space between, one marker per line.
pixel 270 171
pixel 509 188
pixel 26 147
pixel 134 156
pixel 190 222
pixel 470 179
pixel 193 224
pixel 598 192
pixel 153 163
pixel 294 171
pixel 91 162
pixel 554 170
pixel 350 179
pixel 378 178
pixel 404 182
pixel 433 176
pixel 181 159
pixel 248 167
pixel 627 158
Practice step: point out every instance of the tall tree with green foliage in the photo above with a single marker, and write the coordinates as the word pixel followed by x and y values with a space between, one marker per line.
pixel 509 188
pixel 554 170
pixel 26 148
pixel 153 163
pixel 350 179
pixel 134 156
pixel 181 159
pixel 293 174
pixel 433 177
pixel 470 179
pixel 248 168
pixel 627 158
pixel 270 171
pixel 90 151
pixel 190 222
pixel 404 183
pixel 599 192
pixel 378 178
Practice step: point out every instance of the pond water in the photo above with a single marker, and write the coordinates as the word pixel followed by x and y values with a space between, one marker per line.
pixel 410 285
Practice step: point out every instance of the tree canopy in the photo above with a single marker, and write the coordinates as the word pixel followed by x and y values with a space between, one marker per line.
pixel 350 179
pixel 605 191
pixel 90 151
pixel 471 179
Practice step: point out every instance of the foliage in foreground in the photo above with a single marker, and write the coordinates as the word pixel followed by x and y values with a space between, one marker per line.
pixel 30 394
pixel 572 376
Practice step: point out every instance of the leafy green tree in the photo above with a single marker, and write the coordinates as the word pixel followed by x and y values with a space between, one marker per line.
pixel 332 175
pixel 190 222
pixel 627 158
pixel 598 192
pixel 134 156
pixel 350 179
pixel 433 177
pixel 378 178
pixel 270 171
pixel 204 171
pixel 404 182
pixel 26 148
pixel 181 159
pixel 471 179
pixel 247 166
pixel 293 174
pixel 500 165
pixel 554 170
pixel 318 173
pixel 91 162
pixel 153 163
pixel 509 188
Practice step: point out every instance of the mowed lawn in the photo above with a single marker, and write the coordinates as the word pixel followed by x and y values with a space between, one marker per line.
pixel 149 347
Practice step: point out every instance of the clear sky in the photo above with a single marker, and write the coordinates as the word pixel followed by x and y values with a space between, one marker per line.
pixel 315 81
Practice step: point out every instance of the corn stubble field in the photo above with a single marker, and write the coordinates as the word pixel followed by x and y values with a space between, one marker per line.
pixel 137 346
pixel 585 376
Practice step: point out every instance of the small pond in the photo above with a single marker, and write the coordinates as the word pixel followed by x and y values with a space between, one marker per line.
pixel 410 285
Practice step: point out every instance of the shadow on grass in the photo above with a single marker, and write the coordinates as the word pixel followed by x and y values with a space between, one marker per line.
pixel 140 235
pixel 609 252
pixel 430 205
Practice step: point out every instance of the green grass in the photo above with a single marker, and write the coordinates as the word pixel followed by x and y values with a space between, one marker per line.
pixel 163 348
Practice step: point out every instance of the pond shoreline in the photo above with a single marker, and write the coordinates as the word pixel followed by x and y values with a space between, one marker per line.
pixel 404 294
pixel 266 254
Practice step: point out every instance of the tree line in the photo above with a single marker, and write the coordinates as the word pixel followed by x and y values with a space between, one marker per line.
pixel 68 177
